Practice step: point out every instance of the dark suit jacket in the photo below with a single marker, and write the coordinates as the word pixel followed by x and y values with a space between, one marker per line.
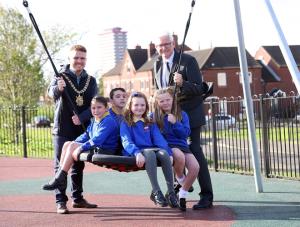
pixel 190 94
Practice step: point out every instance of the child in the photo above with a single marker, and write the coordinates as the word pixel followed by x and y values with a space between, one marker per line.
pixel 102 132
pixel 142 139
pixel 118 98
pixel 176 129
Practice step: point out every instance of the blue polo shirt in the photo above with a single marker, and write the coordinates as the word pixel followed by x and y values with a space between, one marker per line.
pixel 177 134
pixel 138 136
pixel 103 134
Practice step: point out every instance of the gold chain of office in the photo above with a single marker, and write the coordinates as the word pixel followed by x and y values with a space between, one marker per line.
pixel 79 99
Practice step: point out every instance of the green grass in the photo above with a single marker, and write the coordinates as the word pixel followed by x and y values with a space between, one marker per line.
pixel 38 140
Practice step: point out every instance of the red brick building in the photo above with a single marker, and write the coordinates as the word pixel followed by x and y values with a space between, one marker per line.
pixel 219 65
pixel 272 60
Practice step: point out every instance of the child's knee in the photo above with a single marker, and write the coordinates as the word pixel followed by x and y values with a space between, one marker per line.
pixel 75 155
pixel 66 144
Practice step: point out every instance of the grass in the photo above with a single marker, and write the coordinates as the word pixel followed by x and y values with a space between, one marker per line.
pixel 38 142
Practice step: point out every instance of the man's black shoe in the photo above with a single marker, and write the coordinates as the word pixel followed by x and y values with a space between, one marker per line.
pixel 158 198
pixel 182 204
pixel 203 204
pixel 83 204
pixel 172 199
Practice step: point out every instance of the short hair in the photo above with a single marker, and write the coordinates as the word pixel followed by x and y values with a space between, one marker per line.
pixel 112 92
pixel 78 48
pixel 167 34
pixel 100 99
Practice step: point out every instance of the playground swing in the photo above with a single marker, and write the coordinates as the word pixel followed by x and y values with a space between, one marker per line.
pixel 115 162
pixel 120 163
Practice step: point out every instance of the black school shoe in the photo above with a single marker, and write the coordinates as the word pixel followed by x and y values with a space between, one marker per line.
pixel 61 208
pixel 172 199
pixel 182 204
pixel 158 199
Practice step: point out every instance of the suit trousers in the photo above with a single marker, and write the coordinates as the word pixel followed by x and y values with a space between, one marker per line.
pixel 76 173
pixel 203 176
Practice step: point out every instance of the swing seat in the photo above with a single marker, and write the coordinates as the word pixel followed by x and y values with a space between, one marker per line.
pixel 115 162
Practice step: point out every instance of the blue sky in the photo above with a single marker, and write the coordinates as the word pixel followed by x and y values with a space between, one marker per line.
pixel 212 22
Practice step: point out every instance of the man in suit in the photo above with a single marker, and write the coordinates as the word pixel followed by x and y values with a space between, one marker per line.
pixel 67 126
pixel 190 90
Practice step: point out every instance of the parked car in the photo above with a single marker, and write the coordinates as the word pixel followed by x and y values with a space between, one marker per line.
pixel 41 121
pixel 297 117
pixel 223 121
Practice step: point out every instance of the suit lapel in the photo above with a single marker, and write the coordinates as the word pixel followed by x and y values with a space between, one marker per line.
pixel 173 70
pixel 158 71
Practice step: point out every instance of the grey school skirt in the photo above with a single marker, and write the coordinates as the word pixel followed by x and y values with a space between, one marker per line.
pixel 183 149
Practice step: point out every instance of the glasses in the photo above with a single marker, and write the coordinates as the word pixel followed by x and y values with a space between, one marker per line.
pixel 164 45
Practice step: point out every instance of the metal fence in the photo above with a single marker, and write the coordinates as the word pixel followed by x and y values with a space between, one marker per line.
pixel 224 139
pixel 26 131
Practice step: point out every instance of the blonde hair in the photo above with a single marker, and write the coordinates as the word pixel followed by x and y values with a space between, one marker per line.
pixel 128 115
pixel 78 47
pixel 159 113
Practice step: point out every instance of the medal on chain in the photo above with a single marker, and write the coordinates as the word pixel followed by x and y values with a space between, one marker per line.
pixel 79 98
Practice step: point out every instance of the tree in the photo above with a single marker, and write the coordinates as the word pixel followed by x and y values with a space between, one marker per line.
pixel 22 58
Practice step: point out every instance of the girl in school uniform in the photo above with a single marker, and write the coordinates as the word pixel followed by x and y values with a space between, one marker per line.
pixel 175 128
pixel 103 132
pixel 143 140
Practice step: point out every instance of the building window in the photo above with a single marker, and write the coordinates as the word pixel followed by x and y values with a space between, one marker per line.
pixel 222 80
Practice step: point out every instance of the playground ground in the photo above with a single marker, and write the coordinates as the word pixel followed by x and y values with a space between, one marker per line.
pixel 123 200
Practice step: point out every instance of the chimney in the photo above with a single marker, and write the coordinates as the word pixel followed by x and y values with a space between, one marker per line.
pixel 138 47
pixel 151 50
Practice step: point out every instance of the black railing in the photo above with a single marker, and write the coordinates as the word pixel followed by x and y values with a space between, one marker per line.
pixel 26 132
pixel 225 137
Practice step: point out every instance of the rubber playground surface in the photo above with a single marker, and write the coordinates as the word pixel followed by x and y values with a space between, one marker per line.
pixel 123 200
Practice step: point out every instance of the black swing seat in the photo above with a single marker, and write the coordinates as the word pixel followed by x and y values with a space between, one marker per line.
pixel 115 162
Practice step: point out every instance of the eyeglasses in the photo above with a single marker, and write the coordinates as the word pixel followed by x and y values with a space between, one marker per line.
pixel 164 45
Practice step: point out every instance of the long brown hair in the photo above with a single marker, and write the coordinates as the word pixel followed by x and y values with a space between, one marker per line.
pixel 159 113
pixel 128 115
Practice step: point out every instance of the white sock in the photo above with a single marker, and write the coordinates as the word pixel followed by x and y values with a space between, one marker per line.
pixel 182 193
pixel 180 180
